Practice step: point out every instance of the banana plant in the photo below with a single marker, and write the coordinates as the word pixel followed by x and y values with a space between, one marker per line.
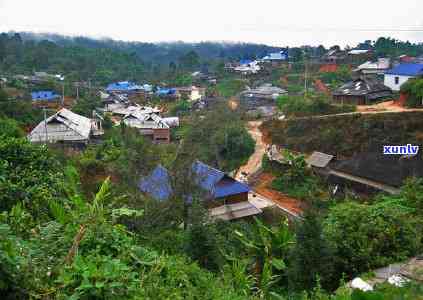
pixel 268 249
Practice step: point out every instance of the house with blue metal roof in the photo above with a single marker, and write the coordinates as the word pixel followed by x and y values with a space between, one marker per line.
pixel 44 96
pixel 218 187
pixel 124 87
pixel 276 56
pixel 400 74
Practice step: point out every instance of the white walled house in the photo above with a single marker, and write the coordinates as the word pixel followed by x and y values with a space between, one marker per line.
pixel 65 127
pixel 400 74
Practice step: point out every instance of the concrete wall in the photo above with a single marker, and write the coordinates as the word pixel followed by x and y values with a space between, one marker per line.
pixel 389 81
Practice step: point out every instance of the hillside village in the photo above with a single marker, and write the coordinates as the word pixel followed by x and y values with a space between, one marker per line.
pixel 258 176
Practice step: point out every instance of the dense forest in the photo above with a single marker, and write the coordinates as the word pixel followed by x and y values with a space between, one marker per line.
pixel 104 60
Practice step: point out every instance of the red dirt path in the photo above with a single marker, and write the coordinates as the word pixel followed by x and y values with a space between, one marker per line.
pixel 262 188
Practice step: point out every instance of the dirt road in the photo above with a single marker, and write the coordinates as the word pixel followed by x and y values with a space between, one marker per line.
pixel 290 204
pixel 254 163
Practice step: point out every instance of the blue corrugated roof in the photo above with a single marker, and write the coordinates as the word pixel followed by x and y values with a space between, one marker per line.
pixel 124 86
pixel 407 70
pixel 165 91
pixel 157 185
pixel 206 176
pixel 230 186
pixel 213 181
pixel 44 95
pixel 245 61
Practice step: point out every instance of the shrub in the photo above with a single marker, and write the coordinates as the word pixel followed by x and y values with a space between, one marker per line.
pixel 371 236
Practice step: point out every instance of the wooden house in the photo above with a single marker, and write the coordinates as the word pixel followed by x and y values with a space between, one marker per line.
pixel 66 127
pixel 361 91
pixel 150 125
pixel 218 187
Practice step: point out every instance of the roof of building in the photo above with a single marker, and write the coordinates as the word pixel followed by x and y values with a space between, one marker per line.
pixel 391 170
pixel 216 183
pixel 319 159
pixel 359 51
pixel 44 95
pixel 136 109
pixel 281 55
pixel 234 211
pixel 157 185
pixel 408 69
pixel 245 61
pixel 369 87
pixel 124 86
pixel 166 91
pixel 145 120
pixel 79 124
pixel 380 64
pixel 264 90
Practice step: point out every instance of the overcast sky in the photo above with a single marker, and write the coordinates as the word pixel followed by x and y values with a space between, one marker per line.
pixel 275 22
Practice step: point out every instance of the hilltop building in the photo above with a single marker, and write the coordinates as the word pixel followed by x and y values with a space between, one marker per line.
pixel 400 74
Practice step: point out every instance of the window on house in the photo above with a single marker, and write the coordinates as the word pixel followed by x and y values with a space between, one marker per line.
pixel 396 80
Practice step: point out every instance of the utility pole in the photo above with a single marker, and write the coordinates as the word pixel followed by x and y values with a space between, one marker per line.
pixel 45 124
pixel 63 94
pixel 305 73
pixel 77 92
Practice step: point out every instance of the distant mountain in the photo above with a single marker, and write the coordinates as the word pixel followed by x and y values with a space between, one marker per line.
pixel 161 53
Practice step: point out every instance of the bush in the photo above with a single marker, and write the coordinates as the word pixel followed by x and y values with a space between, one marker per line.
pixel 28 174
pixel 301 106
pixel 370 236
pixel 10 128
pixel 414 90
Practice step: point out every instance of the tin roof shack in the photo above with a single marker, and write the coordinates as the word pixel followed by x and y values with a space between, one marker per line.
pixel 361 91
pixel 378 67
pixel 3 81
pixel 320 163
pixel 334 56
pixel 167 93
pixel 45 98
pixel 370 172
pixel 263 95
pixel 191 93
pixel 114 101
pixel 66 127
pixel 276 58
pixel 358 56
pixel 41 77
pixel 150 125
pixel 219 188
pixel 245 67
pixel 204 77
pixel 124 87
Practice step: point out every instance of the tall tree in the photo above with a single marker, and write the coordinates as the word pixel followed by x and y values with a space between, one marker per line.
pixel 311 258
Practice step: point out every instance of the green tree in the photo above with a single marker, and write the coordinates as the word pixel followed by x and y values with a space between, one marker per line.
pixel 371 236
pixel 311 258
pixel 414 91
pixel 29 175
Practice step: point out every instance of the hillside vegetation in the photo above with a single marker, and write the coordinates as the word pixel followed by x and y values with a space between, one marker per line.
pixel 346 135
